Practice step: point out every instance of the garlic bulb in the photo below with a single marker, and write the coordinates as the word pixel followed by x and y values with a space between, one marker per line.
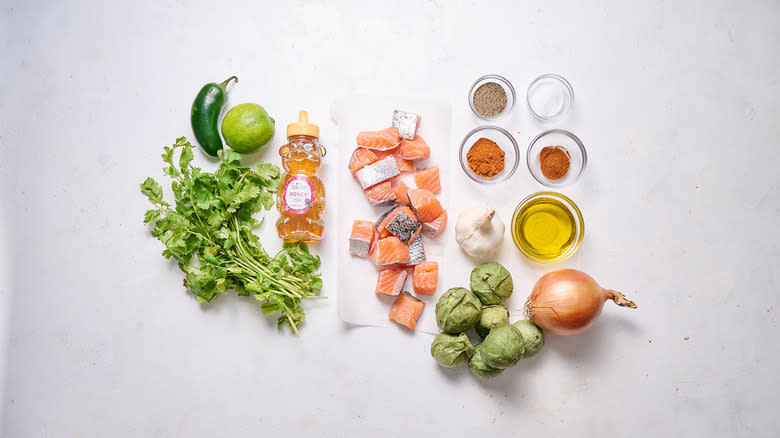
pixel 479 231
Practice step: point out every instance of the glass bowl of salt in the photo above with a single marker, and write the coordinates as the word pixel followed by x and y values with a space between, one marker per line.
pixel 549 97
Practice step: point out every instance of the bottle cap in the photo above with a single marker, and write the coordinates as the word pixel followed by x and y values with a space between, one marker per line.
pixel 303 127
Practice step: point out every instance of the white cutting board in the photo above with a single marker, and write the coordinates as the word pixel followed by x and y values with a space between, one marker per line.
pixel 357 302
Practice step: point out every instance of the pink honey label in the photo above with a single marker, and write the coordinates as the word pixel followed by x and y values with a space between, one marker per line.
pixel 298 195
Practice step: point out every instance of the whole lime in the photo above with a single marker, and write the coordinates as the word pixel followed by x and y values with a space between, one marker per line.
pixel 247 127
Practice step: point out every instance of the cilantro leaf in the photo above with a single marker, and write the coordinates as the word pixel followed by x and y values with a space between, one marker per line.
pixel 208 231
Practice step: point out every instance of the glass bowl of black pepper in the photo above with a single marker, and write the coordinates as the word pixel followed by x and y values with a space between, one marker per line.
pixel 491 96
pixel 489 154
pixel 556 158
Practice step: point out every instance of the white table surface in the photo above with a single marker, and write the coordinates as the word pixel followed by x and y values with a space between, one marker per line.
pixel 677 102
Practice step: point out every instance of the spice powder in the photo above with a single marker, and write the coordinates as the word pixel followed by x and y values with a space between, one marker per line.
pixel 554 161
pixel 485 158
pixel 489 99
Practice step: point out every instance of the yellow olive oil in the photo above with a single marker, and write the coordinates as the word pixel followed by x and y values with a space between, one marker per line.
pixel 545 229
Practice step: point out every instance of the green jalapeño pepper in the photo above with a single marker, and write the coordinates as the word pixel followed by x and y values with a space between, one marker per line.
pixel 206 109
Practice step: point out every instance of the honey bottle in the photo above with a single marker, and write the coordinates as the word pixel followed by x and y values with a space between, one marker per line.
pixel 301 195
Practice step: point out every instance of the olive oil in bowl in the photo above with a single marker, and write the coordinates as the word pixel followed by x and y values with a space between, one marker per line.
pixel 547 227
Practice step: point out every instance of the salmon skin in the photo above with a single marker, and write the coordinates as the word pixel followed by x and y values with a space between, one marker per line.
pixel 403 164
pixel 406 310
pixel 406 123
pixel 381 224
pixel 425 278
pixel 416 251
pixel 434 228
pixel 415 149
pixel 403 225
pixel 361 157
pixel 362 238
pixel 375 173
pixel 428 179
pixel 390 281
pixel 381 194
pixel 383 140
pixel 389 251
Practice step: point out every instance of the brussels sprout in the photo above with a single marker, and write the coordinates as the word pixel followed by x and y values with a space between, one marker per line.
pixel 491 316
pixel 502 347
pixel 491 282
pixel 479 368
pixel 533 337
pixel 450 350
pixel 457 310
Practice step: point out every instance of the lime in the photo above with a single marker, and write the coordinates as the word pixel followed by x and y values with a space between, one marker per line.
pixel 247 127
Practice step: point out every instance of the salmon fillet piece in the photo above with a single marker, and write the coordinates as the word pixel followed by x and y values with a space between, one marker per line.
pixel 390 281
pixel 416 149
pixel 400 193
pixel 425 204
pixel 434 228
pixel 403 164
pixel 362 238
pixel 381 194
pixel 389 251
pixel 425 278
pixel 383 140
pixel 428 179
pixel 406 310
pixel 361 157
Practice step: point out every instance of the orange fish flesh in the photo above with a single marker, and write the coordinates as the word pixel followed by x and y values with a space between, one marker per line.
pixel 406 310
pixel 383 140
pixel 425 278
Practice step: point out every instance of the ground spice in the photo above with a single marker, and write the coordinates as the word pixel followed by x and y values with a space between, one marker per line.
pixel 485 158
pixel 554 161
pixel 489 99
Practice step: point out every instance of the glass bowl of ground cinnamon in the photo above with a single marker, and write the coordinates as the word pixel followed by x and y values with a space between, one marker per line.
pixel 489 154
pixel 556 158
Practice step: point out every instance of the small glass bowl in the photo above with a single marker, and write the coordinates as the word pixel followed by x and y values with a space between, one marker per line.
pixel 578 157
pixel 578 223
pixel 549 97
pixel 503 139
pixel 504 83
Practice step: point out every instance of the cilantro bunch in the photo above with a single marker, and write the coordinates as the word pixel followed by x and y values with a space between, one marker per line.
pixel 208 231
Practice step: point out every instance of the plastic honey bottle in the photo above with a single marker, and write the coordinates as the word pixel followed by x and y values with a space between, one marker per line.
pixel 301 196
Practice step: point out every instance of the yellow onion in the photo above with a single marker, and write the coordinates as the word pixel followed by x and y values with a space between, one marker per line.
pixel 567 301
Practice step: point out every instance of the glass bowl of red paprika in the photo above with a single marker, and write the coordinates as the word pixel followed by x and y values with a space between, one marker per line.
pixel 556 158
pixel 489 154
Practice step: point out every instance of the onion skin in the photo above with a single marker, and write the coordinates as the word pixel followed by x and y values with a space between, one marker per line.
pixel 567 301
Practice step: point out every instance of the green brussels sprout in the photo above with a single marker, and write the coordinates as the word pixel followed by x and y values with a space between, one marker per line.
pixel 491 316
pixel 533 337
pixel 450 350
pixel 457 310
pixel 479 368
pixel 502 347
pixel 491 282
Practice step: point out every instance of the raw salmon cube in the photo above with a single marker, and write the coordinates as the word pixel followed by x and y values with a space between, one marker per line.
pixel 381 194
pixel 390 281
pixel 389 251
pixel 362 238
pixel 425 205
pixel 428 179
pixel 406 310
pixel 425 278
pixel 383 140
pixel 416 149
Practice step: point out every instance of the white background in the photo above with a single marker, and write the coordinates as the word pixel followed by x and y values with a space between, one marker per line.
pixel 678 104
